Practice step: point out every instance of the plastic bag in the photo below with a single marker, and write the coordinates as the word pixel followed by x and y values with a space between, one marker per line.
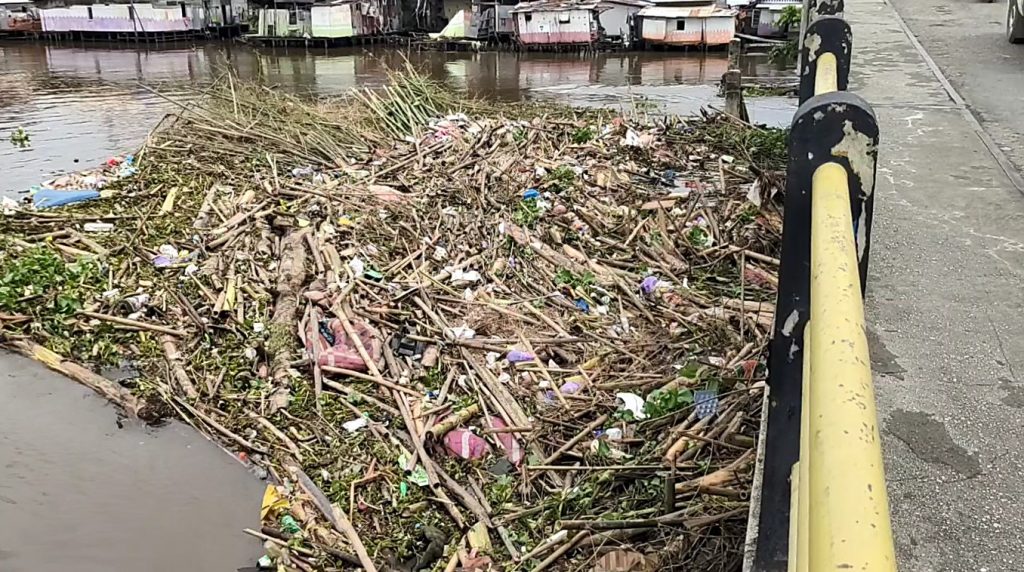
pixel 342 352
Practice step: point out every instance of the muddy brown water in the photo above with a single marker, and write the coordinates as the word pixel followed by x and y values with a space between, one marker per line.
pixel 78 491
pixel 81 492
pixel 81 104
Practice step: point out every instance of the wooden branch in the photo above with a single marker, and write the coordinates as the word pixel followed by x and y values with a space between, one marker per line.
pixel 336 517
pixel 268 532
pixel 378 380
pixel 352 392
pixel 135 324
pixel 177 370
pixel 723 477
pixel 453 421
pixel 558 553
pixel 277 433
pixel 579 437
pixel 684 440
pixel 417 442
pixel 465 497
pixel 291 278
pixel 217 426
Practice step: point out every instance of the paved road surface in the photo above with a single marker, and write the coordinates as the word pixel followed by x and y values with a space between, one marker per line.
pixel 966 39
pixel 946 292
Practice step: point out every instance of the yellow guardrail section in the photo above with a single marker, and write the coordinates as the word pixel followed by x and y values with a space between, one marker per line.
pixel 826 79
pixel 841 502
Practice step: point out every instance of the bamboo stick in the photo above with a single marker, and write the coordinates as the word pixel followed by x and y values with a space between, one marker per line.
pixel 135 324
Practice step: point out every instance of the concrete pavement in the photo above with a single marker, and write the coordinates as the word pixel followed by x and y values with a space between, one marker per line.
pixel 944 305
pixel 966 40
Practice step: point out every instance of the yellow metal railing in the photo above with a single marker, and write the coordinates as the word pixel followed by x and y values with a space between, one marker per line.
pixel 841 505
pixel 826 79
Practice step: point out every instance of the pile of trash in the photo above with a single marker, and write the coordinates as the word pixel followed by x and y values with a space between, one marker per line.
pixel 450 334
pixel 81 186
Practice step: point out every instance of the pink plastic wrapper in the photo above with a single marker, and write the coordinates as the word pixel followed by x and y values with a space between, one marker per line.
pixel 343 353
pixel 463 443
pixel 513 450
pixel 749 367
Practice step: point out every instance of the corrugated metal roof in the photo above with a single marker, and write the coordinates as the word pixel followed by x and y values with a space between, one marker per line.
pixel 708 11
pixel 563 5
pixel 683 3
pixel 553 6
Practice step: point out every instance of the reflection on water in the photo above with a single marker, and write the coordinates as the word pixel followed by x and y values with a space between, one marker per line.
pixel 82 104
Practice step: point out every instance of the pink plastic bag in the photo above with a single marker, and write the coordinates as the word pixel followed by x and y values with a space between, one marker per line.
pixel 463 443
pixel 513 450
pixel 343 353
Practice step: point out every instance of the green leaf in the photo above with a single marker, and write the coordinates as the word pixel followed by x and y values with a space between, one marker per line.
pixel 664 401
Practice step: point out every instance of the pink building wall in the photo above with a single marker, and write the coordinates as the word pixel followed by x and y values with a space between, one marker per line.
pixel 561 27
pixel 703 30
pixel 719 30
pixel 117 18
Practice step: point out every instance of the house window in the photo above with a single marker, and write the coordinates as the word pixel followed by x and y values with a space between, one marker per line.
pixel 563 18
pixel 184 14
pixel 680 25
pixel 293 18
pixel 131 12
pixel 527 17
pixel 89 9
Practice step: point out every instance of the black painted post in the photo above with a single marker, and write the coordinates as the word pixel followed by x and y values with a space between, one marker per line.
pixel 835 127
pixel 819 8
pixel 828 34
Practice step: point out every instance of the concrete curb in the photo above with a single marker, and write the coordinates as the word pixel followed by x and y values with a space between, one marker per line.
pixel 750 545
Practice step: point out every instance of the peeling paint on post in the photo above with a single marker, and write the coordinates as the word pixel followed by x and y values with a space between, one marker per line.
pixel 836 128
pixel 821 8
pixel 828 34
pixel 861 153
pixel 810 11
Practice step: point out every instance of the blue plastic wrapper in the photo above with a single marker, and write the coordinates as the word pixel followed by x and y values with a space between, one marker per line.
pixel 705 402
pixel 47 198
pixel 531 194
pixel 649 284
pixel 582 305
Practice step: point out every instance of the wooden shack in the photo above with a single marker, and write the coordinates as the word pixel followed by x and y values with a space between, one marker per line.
pixel 706 25
pixel 550 23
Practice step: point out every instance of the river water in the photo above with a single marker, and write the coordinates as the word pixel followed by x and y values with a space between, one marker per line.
pixel 82 104
pixel 78 491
